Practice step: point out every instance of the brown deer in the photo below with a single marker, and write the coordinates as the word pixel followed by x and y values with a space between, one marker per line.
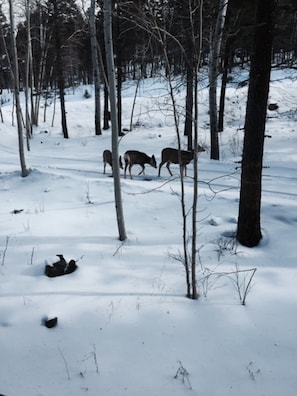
pixel 134 157
pixel 107 159
pixel 170 156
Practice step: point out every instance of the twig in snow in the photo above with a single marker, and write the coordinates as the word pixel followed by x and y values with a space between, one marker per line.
pixel 5 250
pixel 65 363
pixel 183 374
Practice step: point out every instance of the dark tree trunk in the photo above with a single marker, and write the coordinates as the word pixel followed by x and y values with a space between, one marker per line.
pixel 106 112
pixel 224 86
pixel 96 71
pixel 215 48
pixel 249 226
pixel 188 130
pixel 60 70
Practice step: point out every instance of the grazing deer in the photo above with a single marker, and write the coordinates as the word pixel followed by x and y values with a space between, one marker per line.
pixel 107 159
pixel 170 156
pixel 133 157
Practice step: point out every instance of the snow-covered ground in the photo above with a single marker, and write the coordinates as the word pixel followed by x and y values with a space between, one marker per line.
pixel 125 326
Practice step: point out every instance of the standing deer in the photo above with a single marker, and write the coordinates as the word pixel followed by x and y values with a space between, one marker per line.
pixel 134 157
pixel 107 159
pixel 170 156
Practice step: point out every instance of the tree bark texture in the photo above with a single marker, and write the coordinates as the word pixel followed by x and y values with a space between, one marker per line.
pixel 249 224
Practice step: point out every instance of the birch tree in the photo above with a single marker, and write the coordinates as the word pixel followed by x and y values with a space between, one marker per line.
pixel 150 23
pixel 16 85
pixel 114 118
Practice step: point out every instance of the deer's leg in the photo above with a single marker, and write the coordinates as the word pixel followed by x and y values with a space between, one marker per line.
pixel 167 166
pixel 125 170
pixel 160 166
pixel 130 166
pixel 142 171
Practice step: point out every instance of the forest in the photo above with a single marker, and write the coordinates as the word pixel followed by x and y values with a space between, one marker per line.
pixel 60 44
pixel 63 45
pixel 150 277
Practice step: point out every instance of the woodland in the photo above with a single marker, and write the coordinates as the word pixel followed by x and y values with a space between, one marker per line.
pixel 166 282
pixel 63 45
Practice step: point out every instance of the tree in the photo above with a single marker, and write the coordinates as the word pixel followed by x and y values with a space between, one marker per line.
pixel 15 72
pixel 151 23
pixel 114 120
pixel 96 70
pixel 249 226
pixel 28 75
pixel 59 65
pixel 215 47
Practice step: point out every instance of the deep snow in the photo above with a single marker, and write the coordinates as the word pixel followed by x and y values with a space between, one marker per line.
pixel 124 324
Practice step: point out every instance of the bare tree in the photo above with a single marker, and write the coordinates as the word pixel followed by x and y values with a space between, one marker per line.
pixel 28 75
pixel 249 225
pixel 15 76
pixel 214 54
pixel 150 24
pixel 60 68
pixel 96 70
pixel 114 119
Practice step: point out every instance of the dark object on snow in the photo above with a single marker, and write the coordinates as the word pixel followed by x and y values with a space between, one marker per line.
pixel 87 94
pixel 60 267
pixel 273 106
pixel 242 84
pixel 50 323
pixel 71 267
pixel 16 211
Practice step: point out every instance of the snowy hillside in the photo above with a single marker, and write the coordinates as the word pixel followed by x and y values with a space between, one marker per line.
pixel 124 325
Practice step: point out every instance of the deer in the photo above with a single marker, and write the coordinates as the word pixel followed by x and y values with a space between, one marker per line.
pixel 134 157
pixel 170 156
pixel 107 159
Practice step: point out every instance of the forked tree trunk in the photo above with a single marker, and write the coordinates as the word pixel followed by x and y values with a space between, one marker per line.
pixel 249 224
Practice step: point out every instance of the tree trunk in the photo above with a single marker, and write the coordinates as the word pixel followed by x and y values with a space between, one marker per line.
pixel 15 76
pixel 27 78
pixel 224 85
pixel 40 73
pixel 106 113
pixel 60 70
pixel 114 121
pixel 249 226
pixel 96 71
pixel 119 62
pixel 216 41
pixel 188 131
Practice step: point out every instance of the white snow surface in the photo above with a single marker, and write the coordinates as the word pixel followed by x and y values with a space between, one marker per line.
pixel 125 326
